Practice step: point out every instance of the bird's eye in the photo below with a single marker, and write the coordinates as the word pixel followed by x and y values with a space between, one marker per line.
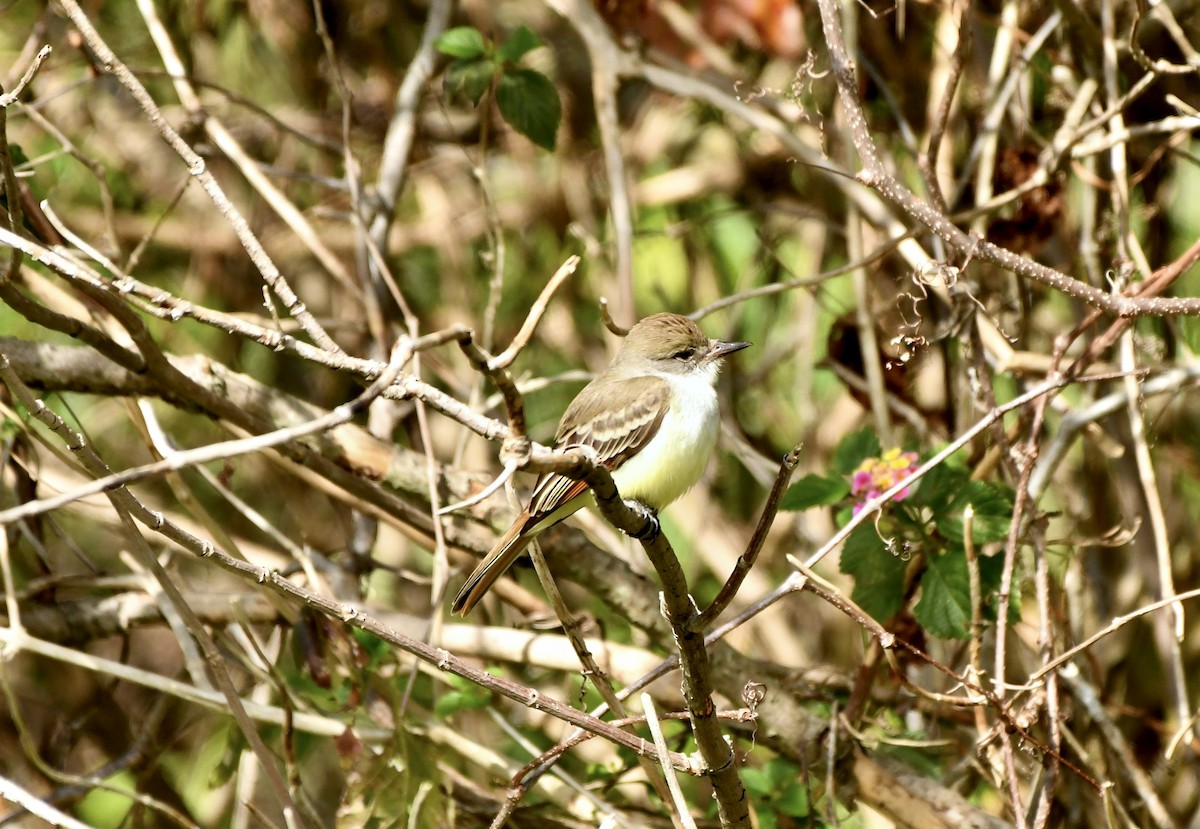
pixel 684 354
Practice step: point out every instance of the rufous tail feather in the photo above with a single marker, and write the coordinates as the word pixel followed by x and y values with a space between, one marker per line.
pixel 494 565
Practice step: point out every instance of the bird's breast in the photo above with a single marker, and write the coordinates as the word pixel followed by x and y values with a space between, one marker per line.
pixel 677 456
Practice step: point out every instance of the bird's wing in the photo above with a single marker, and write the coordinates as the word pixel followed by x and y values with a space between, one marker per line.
pixel 615 433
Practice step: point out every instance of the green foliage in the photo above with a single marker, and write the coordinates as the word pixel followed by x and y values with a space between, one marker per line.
pixel 945 605
pixel 878 572
pixel 473 77
pixel 103 808
pixel 377 650
pixel 992 508
pixel 466 696
pixel 778 789
pixel 781 797
pixel 927 525
pixel 526 98
pixel 463 42
pixel 518 43
pixel 854 449
pixel 814 491
pixel 529 102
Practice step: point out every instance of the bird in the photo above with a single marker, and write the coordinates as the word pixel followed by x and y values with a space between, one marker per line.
pixel 652 419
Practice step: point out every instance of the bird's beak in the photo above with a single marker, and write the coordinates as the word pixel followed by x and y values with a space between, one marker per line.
pixel 720 349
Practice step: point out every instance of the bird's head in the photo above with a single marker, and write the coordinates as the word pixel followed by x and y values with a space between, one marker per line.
pixel 674 345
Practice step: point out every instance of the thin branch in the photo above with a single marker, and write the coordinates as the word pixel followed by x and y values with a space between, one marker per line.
pixel 505 358
pixel 213 452
pixel 876 176
pixel 664 757
pixel 198 168
pixel 746 560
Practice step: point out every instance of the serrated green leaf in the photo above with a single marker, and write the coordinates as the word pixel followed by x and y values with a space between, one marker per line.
pixel 529 102
pixel 878 574
pixel 517 44
pixel 945 606
pixel 473 77
pixel 854 449
pixel 814 491
pixel 461 42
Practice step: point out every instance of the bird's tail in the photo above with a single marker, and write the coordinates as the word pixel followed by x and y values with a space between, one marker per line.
pixel 493 566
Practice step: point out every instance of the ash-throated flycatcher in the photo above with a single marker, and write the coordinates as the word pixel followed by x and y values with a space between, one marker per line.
pixel 652 419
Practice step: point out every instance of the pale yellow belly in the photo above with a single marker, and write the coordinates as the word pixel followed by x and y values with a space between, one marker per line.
pixel 677 456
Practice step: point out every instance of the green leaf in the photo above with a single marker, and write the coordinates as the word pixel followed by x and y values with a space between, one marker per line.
pixel 878 574
pixel 939 486
pixel 993 507
pixel 17 155
pixel 1189 328
pixel 757 783
pixel 945 606
pixel 461 42
pixel 466 700
pixel 814 491
pixel 518 43
pixel 781 773
pixel 472 76
pixel 854 449
pixel 991 572
pixel 529 102
pixel 377 650
pixel 794 801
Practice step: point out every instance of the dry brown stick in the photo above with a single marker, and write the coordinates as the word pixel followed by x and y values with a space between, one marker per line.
pixel 505 358
pixel 224 139
pixel 1044 797
pixel 1028 453
pixel 1158 282
pixel 599 679
pixel 680 611
pixel 402 128
pixel 607 64
pixel 927 160
pixel 7 99
pixel 521 780
pixel 23 305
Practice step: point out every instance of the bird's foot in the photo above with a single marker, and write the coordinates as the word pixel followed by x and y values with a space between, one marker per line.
pixel 652 527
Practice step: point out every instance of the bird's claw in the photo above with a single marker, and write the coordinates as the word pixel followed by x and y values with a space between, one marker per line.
pixel 652 527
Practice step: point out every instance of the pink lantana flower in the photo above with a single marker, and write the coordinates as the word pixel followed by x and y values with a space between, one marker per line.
pixel 875 476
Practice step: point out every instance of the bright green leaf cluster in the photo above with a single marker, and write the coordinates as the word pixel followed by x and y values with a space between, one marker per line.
pixel 778 789
pixel 916 547
pixel 527 99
